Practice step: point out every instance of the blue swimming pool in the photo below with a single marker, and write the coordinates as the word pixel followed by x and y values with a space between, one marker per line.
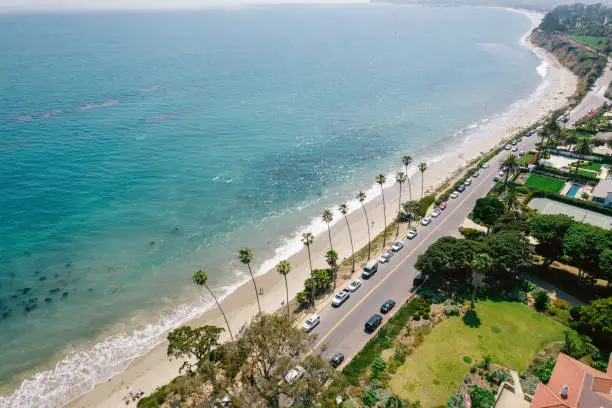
pixel 573 190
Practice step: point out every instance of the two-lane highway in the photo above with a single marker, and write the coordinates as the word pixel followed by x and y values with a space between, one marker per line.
pixel 342 329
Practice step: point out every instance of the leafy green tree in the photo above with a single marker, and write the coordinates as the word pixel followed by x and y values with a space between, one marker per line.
pixel 343 208
pixel 511 202
pixel 307 240
pixel 488 210
pixel 328 217
pixel 406 160
pixel 200 278
pixel 549 230
pixel 422 169
pixel 378 367
pixel 583 148
pixel 596 321
pixel 510 252
pixel 246 256
pixel 331 257
pixel 510 165
pixel 401 178
pixel 511 221
pixel 541 300
pixel 481 398
pixel 369 398
pixel 413 210
pixel 447 258
pixel 361 196
pixel 380 179
pixel 605 265
pixel 192 344
pixel 545 372
pixel 481 266
pixel 284 267
pixel 584 242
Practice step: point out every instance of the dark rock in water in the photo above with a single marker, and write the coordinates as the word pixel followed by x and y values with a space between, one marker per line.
pixel 65 294
pixel 152 243
pixel 5 315
pixel 25 291
pixel 36 272
pixel 56 275
pixel 54 290
pixel 14 297
pixel 90 290
pixel 68 264
pixel 29 308
pixel 48 300
pixel 42 278
pixel 175 229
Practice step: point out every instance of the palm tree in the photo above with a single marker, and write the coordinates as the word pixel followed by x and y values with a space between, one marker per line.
pixel 511 201
pixel 406 160
pixel 361 196
pixel 200 278
pixel 422 168
pixel 284 267
pixel 380 179
pixel 583 147
pixel 246 256
pixel 328 217
pixel 510 165
pixel 307 240
pixel 332 260
pixel 401 178
pixel 344 210
pixel 481 266
pixel 413 209
pixel 571 139
pixel 542 137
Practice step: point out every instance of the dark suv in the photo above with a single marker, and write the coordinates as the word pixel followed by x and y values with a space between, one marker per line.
pixel 336 360
pixel 373 323
pixel 387 306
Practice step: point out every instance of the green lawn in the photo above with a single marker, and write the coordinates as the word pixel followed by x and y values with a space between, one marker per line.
pixel 588 166
pixel 545 183
pixel 597 42
pixel 528 158
pixel 510 332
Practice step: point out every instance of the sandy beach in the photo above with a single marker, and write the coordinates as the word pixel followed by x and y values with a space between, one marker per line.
pixel 154 369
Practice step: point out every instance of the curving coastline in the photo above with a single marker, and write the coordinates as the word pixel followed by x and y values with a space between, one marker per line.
pixel 152 368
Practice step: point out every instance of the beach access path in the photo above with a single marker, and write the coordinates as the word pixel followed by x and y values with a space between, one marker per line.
pixel 594 98
pixel 342 329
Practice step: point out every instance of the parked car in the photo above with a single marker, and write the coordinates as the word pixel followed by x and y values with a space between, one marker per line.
pixel 436 212
pixel 520 139
pixel 496 179
pixel 468 181
pixel 294 374
pixel 354 285
pixel 485 166
pixel 454 194
pixel 426 221
pixel 387 306
pixel 507 147
pixel 442 205
pixel 418 280
pixel 514 143
pixel 373 322
pixel 341 297
pixel 411 234
pixel 514 149
pixel 522 153
pixel 461 188
pixel 385 257
pixel 336 360
pixel 475 174
pixel 311 323
pixel 369 269
pixel 397 245
pixel 501 173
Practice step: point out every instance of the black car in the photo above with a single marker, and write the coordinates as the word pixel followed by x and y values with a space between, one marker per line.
pixel 336 360
pixel 387 306
pixel 418 280
pixel 461 189
pixel 373 323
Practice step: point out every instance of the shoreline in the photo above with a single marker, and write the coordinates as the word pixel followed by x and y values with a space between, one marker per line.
pixel 153 369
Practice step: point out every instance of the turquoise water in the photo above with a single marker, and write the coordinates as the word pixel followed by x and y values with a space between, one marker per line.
pixel 573 190
pixel 118 133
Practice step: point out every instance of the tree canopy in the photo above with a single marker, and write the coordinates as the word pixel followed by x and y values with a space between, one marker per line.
pixel 549 230
pixel 585 242
pixel 192 344
pixel 510 252
pixel 488 210
pixel 448 257
pixel 595 320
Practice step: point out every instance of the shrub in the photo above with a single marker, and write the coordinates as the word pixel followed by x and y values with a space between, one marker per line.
pixel 528 286
pixel 416 317
pixel 542 300
pixel 467 360
pixel 369 398
pixel 481 398
pixel 545 371
pixel 349 404
pixel 400 353
pixel 575 312
pixel 517 295
pixel 472 234
pixel 154 400
pixel 382 396
pixel 560 304
pixel 452 310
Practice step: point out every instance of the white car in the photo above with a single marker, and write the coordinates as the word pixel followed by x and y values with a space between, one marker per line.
pixel 385 257
pixel 411 234
pixel 522 153
pixel 354 285
pixel 508 147
pixel 397 245
pixel 514 149
pixel 311 323
pixel 436 212
pixel 341 297
pixel 468 181
pixel 294 374
pixel 425 221
pixel 501 173
pixel 485 166
pixel 454 194
pixel 475 174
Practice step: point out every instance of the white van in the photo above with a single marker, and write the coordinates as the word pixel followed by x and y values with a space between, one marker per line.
pixel 369 269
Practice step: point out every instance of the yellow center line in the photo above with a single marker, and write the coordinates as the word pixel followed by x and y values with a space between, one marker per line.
pixel 334 327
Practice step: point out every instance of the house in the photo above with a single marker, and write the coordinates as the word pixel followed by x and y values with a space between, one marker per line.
pixel 602 193
pixel 575 385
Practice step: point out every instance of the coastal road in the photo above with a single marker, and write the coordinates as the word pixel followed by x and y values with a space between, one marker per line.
pixel 342 329
pixel 594 98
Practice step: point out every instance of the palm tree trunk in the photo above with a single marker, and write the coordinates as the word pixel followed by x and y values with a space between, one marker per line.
pixel 311 276
pixel 255 286
pixel 330 241
pixel 409 186
pixel 506 179
pixel 578 164
pixel 335 276
pixel 422 181
pixel 399 210
pixel 384 217
pixel 287 292
pixel 539 151
pixel 223 313
pixel 351 237
pixel 368 225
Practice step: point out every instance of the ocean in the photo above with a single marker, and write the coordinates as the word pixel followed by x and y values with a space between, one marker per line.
pixel 136 148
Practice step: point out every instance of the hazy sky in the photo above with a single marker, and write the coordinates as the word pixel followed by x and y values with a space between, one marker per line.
pixel 141 4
